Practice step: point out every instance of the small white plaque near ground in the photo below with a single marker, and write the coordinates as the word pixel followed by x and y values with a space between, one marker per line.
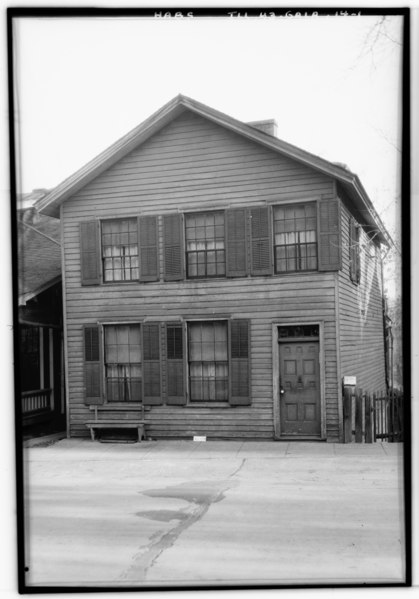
pixel 197 438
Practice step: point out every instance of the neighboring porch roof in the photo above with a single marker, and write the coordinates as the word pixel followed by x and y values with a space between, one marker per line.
pixel 50 204
pixel 39 254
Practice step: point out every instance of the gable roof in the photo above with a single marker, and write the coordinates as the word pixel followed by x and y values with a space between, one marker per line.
pixel 50 204
pixel 39 254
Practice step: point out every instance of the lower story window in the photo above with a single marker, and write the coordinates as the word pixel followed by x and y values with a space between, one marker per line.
pixel 208 361
pixel 123 363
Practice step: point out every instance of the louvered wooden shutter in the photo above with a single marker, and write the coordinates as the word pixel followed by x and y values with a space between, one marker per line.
pixel 92 364
pixel 261 241
pixel 354 262
pixel 90 253
pixel 151 364
pixel 175 366
pixel 173 247
pixel 352 267
pixel 236 235
pixel 330 255
pixel 240 362
pixel 357 254
pixel 149 248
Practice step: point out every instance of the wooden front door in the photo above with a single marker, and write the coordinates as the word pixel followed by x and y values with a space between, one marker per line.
pixel 299 388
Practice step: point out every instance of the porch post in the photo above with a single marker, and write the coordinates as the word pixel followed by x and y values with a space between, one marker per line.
pixel 51 367
pixel 41 359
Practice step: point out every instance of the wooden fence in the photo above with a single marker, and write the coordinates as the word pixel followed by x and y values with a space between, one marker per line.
pixel 368 418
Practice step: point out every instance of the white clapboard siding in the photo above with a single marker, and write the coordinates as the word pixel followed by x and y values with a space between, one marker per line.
pixel 191 165
pixel 361 315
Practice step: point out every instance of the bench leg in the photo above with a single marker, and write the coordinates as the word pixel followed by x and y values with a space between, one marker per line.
pixel 92 433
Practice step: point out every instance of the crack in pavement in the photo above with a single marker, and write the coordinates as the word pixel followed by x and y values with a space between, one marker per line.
pixel 238 468
pixel 200 493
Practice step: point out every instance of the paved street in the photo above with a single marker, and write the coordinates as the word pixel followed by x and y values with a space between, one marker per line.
pixel 166 512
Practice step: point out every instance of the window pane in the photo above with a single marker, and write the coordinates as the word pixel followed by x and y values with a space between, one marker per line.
pixel 291 257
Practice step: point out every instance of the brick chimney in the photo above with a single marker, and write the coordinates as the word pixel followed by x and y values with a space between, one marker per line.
pixel 269 126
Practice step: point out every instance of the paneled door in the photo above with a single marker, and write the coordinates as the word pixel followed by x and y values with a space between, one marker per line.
pixel 299 386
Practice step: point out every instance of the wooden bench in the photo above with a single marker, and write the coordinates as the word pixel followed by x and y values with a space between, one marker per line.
pixel 94 425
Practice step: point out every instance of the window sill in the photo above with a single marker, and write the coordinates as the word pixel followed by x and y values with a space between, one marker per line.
pixel 133 407
pixel 297 272
pixel 132 282
pixel 208 404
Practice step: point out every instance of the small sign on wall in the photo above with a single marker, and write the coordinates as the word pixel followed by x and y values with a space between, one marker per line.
pixel 349 381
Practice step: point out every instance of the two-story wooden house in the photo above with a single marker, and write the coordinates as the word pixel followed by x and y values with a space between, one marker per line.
pixel 221 278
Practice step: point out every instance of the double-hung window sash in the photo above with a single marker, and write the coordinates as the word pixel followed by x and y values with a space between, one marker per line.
pixel 205 245
pixel 123 370
pixel 295 237
pixel 120 250
pixel 208 361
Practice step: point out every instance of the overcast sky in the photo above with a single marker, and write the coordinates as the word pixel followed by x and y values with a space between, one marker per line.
pixel 83 83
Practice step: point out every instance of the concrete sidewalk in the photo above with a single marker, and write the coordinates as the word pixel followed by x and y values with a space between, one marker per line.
pixel 180 513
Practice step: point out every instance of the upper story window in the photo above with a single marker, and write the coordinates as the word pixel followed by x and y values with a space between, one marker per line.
pixel 120 250
pixel 237 242
pixel 295 237
pixel 123 363
pixel 205 246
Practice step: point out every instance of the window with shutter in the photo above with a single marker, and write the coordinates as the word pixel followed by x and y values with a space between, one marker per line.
pixel 173 247
pixel 92 364
pixel 89 253
pixel 240 362
pixel 260 244
pixel 151 364
pixel 123 363
pixel 149 248
pixel 175 370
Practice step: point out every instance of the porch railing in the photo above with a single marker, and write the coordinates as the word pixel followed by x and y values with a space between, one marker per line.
pixel 36 401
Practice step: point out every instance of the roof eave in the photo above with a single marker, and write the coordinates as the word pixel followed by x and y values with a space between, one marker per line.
pixel 26 297
pixel 50 204
pixel 358 192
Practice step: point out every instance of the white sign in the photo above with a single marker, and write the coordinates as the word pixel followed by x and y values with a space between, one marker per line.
pixel 349 380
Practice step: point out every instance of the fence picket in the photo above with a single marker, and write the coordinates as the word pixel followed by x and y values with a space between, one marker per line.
pixel 368 420
pixel 358 416
pixel 347 416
